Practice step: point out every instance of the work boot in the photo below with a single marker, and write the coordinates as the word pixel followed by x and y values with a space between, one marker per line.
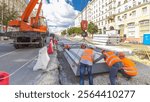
pixel 128 78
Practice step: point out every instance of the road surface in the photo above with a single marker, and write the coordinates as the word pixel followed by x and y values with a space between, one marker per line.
pixel 18 63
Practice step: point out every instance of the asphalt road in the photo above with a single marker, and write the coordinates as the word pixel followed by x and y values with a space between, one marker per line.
pixel 19 63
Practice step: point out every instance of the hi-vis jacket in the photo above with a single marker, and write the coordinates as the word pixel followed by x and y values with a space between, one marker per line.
pixel 129 67
pixel 111 58
pixel 87 57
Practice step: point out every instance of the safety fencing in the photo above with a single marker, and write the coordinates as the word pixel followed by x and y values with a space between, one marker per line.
pixel 43 60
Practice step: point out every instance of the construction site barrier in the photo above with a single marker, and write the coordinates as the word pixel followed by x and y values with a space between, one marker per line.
pixel 43 60
pixel 4 78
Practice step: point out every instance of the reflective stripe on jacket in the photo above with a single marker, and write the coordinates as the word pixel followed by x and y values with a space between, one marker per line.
pixel 129 67
pixel 87 57
pixel 111 58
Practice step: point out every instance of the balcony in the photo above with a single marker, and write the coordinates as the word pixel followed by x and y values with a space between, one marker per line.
pixel 111 17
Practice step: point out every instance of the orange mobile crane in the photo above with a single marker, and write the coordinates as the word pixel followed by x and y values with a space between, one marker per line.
pixel 33 33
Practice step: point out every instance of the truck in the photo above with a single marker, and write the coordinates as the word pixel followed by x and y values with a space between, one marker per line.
pixel 30 32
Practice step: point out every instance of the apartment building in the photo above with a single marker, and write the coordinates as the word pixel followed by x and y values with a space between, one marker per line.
pixel 130 17
pixel 98 11
pixel 133 18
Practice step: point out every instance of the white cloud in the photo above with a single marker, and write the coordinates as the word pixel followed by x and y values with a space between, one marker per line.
pixel 59 13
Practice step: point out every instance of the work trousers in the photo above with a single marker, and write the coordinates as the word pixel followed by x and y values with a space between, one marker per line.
pixel 124 74
pixel 83 68
pixel 113 72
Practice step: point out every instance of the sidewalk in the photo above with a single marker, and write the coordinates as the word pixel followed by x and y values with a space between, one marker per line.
pixel 51 75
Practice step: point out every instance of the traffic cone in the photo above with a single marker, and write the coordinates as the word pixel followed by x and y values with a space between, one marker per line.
pixel 4 78
pixel 50 47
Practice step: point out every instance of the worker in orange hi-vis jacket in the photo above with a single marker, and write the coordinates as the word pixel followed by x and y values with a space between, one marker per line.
pixel 113 61
pixel 86 63
pixel 128 70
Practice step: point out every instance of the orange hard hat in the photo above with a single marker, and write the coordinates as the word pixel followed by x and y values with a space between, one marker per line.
pixel 121 55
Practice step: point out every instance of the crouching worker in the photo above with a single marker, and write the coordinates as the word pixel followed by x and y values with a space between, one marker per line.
pixel 86 62
pixel 113 61
pixel 128 70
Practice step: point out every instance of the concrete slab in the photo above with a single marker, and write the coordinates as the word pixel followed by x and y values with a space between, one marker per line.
pixel 73 56
pixel 115 49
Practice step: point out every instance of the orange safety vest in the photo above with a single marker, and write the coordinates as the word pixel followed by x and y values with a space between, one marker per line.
pixel 129 67
pixel 87 55
pixel 111 58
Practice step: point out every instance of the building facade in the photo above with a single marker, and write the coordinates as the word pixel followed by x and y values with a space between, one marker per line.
pixel 129 17
pixel 133 18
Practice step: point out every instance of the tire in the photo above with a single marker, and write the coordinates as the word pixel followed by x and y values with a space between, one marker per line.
pixel 16 46
pixel 41 43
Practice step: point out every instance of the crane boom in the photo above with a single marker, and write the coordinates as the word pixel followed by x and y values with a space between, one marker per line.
pixel 29 10
pixel 38 12
pixel 29 33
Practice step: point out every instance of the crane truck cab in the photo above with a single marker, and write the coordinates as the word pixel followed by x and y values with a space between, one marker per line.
pixel 30 33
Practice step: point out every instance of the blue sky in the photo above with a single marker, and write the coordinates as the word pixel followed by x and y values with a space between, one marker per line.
pixel 79 4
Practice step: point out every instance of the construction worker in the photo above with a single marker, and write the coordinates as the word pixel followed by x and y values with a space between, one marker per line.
pixel 83 46
pixel 86 62
pixel 128 70
pixel 113 62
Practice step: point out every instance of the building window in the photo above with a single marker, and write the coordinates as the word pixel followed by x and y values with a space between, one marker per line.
pixel 144 10
pixel 111 28
pixel 145 1
pixel 119 3
pixel 144 22
pixel 118 10
pixel 126 7
pixel 119 19
pixel 131 24
pixel 125 1
pixel 124 16
pixel 134 3
pixel 133 13
pixel 131 29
